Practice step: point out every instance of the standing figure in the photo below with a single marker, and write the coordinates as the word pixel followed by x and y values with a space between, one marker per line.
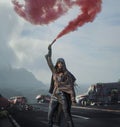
pixel 62 89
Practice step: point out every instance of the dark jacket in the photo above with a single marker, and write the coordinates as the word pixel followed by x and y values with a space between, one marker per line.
pixel 70 79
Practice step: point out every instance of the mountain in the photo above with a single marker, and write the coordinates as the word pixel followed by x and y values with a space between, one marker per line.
pixel 20 82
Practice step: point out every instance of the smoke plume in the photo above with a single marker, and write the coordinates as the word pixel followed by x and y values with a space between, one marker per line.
pixel 40 12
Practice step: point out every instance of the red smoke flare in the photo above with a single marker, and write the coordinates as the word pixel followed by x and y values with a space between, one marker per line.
pixel 89 10
pixel 46 11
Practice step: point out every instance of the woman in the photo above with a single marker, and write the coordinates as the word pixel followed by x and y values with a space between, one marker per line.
pixel 62 90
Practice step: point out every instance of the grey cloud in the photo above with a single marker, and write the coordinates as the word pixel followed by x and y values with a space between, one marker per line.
pixel 8 22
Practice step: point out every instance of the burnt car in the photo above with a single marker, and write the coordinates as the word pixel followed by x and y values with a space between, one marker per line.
pixel 4 103
pixel 43 98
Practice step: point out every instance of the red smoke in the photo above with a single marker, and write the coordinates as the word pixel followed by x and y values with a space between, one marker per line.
pixel 41 11
pixel 89 10
pixel 46 11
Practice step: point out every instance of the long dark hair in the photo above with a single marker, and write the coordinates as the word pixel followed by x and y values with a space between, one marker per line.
pixel 63 69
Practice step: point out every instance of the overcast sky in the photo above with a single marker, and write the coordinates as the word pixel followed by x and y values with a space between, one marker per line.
pixel 92 52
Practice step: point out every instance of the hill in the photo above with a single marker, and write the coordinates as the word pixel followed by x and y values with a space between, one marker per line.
pixel 15 82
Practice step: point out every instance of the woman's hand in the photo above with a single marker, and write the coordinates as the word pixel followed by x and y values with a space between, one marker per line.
pixel 49 47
